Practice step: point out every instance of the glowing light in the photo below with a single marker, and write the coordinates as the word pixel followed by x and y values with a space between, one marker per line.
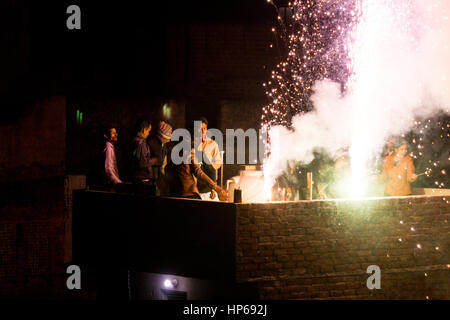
pixel 167 284
pixel 170 283
pixel 166 111
pixel 336 40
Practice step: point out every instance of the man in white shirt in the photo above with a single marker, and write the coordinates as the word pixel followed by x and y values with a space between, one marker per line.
pixel 212 161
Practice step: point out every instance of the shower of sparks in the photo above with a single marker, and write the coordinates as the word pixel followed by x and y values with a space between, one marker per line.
pixel 429 148
pixel 326 39
pixel 313 38
pixel 335 39
pixel 378 19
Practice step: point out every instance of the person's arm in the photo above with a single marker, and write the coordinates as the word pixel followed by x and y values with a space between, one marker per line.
pixel 143 155
pixel 110 170
pixel 321 191
pixel 410 171
pixel 198 172
pixel 384 171
pixel 217 157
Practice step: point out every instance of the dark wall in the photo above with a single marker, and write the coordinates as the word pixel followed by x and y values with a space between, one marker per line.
pixel 209 63
pixel 122 50
pixel 152 234
pixel 128 59
pixel 113 233
pixel 35 147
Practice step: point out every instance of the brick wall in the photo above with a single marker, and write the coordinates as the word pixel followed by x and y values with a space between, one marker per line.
pixel 32 208
pixel 218 69
pixel 239 115
pixel 32 250
pixel 321 249
pixel 35 146
pixel 218 61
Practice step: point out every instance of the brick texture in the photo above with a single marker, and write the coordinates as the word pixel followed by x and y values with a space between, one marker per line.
pixel 321 249
pixel 218 61
pixel 239 115
pixel 34 148
pixel 35 205
pixel 32 250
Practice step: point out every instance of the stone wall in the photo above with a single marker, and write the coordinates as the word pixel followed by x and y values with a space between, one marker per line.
pixel 321 249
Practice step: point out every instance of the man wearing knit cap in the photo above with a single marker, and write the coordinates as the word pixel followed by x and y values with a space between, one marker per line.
pixel 156 145
pixel 164 131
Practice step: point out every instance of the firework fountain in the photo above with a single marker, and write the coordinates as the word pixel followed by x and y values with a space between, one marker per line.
pixel 353 73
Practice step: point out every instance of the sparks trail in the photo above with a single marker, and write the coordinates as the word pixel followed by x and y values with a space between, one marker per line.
pixel 353 73
pixel 313 45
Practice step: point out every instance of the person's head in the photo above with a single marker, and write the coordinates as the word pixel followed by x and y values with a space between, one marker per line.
pixel 291 164
pixel 143 128
pixel 390 143
pixel 204 125
pixel 401 148
pixel 164 131
pixel 341 154
pixel 111 134
pixel 341 157
pixel 389 147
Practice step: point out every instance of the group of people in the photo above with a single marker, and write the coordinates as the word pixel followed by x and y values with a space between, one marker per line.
pixel 332 174
pixel 148 163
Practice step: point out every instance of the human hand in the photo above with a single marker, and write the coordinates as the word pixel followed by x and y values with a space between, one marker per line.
pixel 155 161
pixel 413 177
pixel 223 194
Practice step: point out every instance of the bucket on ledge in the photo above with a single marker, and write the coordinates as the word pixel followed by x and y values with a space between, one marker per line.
pixel 237 196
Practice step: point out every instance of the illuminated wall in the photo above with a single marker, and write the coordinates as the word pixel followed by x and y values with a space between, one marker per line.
pixel 321 249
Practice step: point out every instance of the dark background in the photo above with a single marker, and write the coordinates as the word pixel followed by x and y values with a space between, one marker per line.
pixel 120 52
pixel 129 59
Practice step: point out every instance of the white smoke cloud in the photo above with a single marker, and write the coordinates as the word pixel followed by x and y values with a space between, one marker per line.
pixel 401 61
